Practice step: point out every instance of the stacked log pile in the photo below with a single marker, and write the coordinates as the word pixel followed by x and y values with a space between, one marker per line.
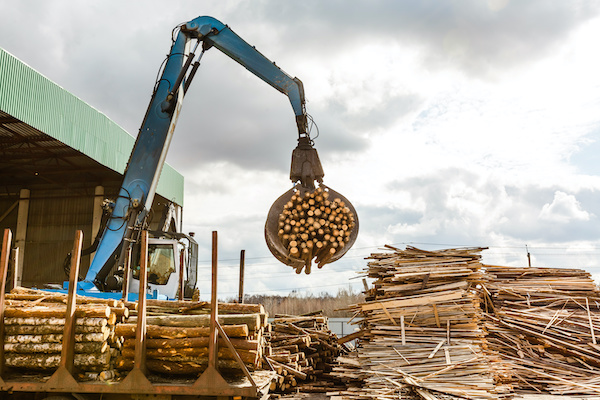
pixel 34 323
pixel 315 226
pixel 422 328
pixel 545 324
pixel 178 335
pixel 302 350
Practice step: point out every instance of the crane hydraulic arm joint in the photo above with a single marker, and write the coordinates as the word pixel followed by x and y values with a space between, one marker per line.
pixel 149 152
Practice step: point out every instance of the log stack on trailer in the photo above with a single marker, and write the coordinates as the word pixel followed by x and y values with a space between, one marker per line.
pixel 34 323
pixel 178 336
pixel 66 343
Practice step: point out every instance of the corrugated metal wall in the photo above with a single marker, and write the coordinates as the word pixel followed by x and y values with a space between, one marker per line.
pixel 10 219
pixel 52 223
pixel 34 99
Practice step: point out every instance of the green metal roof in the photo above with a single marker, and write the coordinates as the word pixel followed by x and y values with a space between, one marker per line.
pixel 34 99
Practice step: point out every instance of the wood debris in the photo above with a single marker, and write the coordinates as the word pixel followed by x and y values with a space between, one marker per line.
pixel 440 323
pixel 302 350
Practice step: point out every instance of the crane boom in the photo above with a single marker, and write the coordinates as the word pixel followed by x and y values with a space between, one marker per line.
pixel 147 158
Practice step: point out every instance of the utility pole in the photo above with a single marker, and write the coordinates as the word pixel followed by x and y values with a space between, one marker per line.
pixel 242 261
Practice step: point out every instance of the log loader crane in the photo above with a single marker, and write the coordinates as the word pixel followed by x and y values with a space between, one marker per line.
pixel 128 213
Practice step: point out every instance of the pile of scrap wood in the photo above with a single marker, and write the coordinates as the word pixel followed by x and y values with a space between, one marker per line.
pixel 545 324
pixel 440 323
pixel 301 349
pixel 178 335
pixel 34 322
pixel 422 328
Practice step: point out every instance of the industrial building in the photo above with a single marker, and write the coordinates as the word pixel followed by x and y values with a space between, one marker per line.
pixel 59 160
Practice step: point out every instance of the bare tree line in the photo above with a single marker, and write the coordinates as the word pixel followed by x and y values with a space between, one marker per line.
pixel 296 304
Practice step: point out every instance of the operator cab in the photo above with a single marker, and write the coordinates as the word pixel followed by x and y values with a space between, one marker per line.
pixel 172 257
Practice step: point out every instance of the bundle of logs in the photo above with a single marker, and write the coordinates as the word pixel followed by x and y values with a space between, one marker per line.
pixel 178 335
pixel 422 330
pixel 176 340
pixel 34 323
pixel 301 349
pixel 313 226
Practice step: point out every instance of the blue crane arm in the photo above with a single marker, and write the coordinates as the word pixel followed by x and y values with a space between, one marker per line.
pixel 149 152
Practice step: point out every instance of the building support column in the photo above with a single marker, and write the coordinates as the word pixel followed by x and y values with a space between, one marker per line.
pixel 21 234
pixel 96 215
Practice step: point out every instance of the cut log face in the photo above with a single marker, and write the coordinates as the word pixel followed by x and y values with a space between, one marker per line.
pixel 314 227
pixel 176 340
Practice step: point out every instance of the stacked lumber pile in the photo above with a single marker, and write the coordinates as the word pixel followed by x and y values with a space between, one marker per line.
pixel 302 350
pixel 34 324
pixel 545 324
pixel 178 335
pixel 422 327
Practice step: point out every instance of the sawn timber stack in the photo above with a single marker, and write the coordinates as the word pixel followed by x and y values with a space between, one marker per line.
pixel 441 323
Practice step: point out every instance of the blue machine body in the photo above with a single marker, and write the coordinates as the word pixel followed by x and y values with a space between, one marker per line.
pixel 148 156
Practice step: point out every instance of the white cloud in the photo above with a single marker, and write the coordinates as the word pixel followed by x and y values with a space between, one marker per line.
pixel 563 209
pixel 475 111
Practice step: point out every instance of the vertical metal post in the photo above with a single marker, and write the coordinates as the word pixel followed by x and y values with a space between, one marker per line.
pixel 126 275
pixel 181 267
pixel 4 256
pixel 15 275
pixel 67 354
pixel 21 232
pixel 139 361
pixel 214 311
pixel 242 262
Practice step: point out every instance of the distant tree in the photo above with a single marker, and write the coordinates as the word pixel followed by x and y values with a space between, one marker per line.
pixel 295 304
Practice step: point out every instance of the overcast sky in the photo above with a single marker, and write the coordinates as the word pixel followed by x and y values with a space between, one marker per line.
pixel 446 123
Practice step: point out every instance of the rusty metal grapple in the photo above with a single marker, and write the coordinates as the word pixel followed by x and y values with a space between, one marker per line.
pixel 310 222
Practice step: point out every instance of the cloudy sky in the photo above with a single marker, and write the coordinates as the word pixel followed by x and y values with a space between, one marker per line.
pixel 446 123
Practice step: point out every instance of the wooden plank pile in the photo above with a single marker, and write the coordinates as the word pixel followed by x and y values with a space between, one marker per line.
pixel 34 323
pixel 422 328
pixel 301 349
pixel 178 336
pixel 440 323
pixel 545 323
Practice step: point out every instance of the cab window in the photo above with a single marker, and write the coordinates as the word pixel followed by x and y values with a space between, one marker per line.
pixel 161 264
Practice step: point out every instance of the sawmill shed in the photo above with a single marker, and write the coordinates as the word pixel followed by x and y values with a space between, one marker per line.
pixel 59 159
